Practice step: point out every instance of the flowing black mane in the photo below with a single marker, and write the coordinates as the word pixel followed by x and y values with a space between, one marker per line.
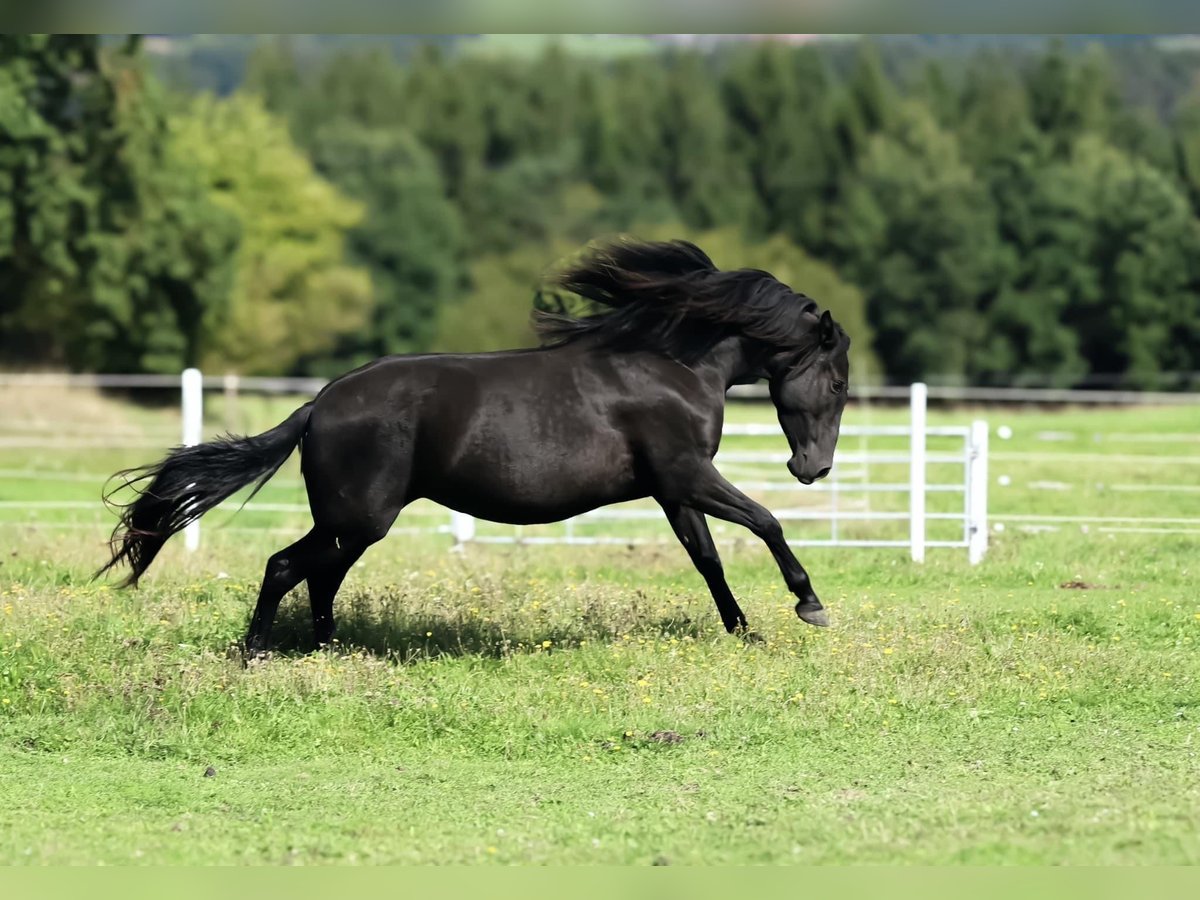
pixel 670 297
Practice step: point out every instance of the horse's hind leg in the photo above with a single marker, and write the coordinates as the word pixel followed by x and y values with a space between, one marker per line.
pixel 354 505
pixel 316 551
pixel 693 533
pixel 323 586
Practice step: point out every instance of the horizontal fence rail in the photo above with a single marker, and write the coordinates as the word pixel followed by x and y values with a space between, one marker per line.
pixel 862 392
pixel 994 395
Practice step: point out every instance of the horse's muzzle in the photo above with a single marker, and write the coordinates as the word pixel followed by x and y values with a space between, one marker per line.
pixel 804 477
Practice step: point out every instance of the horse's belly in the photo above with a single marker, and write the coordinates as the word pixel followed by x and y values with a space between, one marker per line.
pixel 547 488
pixel 511 511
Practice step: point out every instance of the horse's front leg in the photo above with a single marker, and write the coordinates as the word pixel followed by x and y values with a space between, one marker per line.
pixel 710 493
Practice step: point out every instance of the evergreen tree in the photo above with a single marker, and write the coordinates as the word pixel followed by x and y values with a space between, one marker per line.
pixel 442 109
pixel 1186 145
pixel 620 142
pixel 706 181
pixel 273 73
pixel 994 121
pixel 1143 320
pixel 410 240
pixel 1070 97
pixel 779 103
pixel 917 232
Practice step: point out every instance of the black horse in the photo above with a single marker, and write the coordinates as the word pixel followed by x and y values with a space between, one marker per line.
pixel 618 405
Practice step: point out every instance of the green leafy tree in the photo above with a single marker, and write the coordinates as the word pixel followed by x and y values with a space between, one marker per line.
pixel 293 295
pixel 367 87
pixel 495 313
pixel 348 117
pixel 934 88
pixel 410 240
pixel 1139 132
pixel 620 147
pixel 112 257
pixel 516 204
pixel 527 108
pixel 865 103
pixel 624 149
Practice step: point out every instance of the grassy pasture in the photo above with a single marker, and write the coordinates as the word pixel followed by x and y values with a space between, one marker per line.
pixel 567 705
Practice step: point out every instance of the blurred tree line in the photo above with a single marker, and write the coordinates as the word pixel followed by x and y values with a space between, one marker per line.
pixel 990 217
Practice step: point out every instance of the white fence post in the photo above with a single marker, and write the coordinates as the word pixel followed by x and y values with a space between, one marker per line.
pixel 977 488
pixel 916 472
pixel 192 387
pixel 230 385
pixel 462 527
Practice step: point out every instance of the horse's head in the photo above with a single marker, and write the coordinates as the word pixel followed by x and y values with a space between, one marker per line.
pixel 809 393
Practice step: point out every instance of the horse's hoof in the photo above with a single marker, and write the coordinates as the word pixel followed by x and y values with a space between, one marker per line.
pixel 818 616
pixel 253 657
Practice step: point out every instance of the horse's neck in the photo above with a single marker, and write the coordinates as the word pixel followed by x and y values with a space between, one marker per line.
pixel 735 360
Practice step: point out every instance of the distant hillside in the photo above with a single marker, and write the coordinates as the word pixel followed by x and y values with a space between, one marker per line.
pixel 1154 71
pixel 217 62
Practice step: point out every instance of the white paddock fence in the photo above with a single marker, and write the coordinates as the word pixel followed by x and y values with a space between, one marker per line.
pixel 969 454
pixel 59 441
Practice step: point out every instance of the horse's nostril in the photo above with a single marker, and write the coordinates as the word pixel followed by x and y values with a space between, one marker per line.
pixel 823 472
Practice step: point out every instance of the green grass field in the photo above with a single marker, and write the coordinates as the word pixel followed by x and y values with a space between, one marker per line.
pixel 568 705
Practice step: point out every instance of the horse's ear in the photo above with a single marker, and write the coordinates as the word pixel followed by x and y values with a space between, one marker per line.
pixel 827 331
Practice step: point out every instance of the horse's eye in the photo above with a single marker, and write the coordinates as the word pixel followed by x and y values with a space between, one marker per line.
pixel 839 387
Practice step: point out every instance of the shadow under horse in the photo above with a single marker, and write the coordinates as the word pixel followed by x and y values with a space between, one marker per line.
pixel 621 404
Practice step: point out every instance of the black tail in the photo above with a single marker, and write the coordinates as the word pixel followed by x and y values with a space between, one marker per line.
pixel 190 482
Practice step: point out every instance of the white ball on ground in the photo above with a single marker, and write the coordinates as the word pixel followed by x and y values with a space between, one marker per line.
pixel 1004 481
pixel 1004 432
pixel 999 526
